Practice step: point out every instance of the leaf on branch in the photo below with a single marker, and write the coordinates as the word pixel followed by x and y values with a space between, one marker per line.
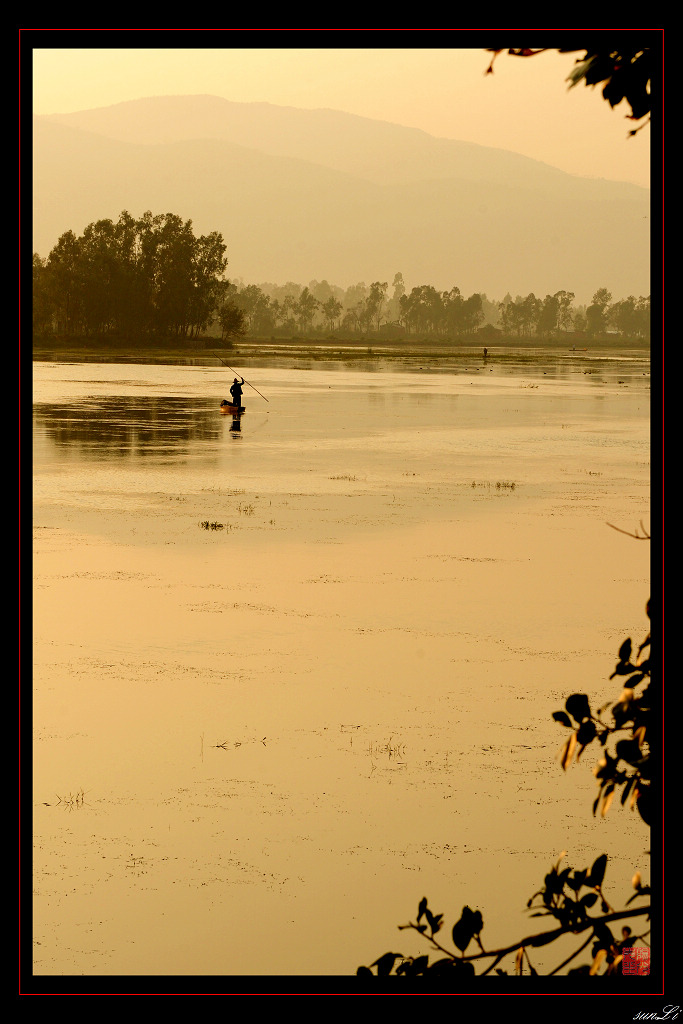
pixel 519 958
pixel 639 735
pixel 643 891
pixel 597 872
pixel 629 751
pixel 464 930
pixel 586 733
pixel 562 718
pixel 434 921
pixel 567 752
pixel 413 967
pixel 452 966
pixel 606 801
pixel 386 962
pixel 579 71
pixel 624 668
pixel 577 880
pixel 626 649
pixel 603 935
pixel 553 882
pixel 578 707
pixel 599 957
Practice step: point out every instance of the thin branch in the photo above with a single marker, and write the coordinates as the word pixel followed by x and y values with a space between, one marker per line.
pixel 430 938
pixel 544 938
pixel 570 958
pixel 637 536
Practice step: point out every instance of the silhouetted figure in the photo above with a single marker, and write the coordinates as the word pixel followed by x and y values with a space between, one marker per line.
pixel 486 352
pixel 236 391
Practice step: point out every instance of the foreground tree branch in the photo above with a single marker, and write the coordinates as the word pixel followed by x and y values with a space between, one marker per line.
pixel 566 894
pixel 636 536
pixel 623 73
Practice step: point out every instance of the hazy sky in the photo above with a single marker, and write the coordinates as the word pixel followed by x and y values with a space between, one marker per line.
pixel 525 105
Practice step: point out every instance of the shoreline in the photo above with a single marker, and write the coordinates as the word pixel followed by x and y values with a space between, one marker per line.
pixel 248 352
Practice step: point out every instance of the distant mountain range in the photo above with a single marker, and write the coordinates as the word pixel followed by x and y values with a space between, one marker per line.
pixel 319 194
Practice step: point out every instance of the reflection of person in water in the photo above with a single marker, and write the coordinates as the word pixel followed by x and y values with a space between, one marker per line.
pixel 236 391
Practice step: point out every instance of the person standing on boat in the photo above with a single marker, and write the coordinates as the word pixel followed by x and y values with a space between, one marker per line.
pixel 236 391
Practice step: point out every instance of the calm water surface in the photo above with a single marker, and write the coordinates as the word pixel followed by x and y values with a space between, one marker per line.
pixel 289 679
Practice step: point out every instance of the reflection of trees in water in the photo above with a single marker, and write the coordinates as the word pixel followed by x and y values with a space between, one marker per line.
pixel 129 425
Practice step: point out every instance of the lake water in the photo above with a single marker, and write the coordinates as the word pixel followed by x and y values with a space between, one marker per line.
pixel 291 678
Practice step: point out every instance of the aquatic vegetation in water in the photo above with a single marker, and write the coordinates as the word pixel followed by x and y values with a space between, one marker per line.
pixel 236 743
pixel 500 485
pixel 71 801
pixel 390 749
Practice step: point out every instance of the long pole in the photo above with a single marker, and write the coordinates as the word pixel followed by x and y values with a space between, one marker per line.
pixel 245 381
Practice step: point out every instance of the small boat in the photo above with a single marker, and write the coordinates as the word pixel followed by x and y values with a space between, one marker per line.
pixel 232 410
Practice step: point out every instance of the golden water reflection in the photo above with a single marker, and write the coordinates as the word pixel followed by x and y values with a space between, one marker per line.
pixel 337 699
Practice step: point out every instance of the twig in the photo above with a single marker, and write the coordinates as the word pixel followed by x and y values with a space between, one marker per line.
pixel 544 938
pixel 570 958
pixel 636 536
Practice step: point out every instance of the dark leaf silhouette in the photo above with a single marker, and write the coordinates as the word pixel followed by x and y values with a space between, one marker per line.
pixel 597 872
pixel 625 650
pixel 385 963
pixel 578 706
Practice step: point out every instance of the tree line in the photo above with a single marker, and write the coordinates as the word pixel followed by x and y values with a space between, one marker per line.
pixel 150 276
pixel 425 311
pixel 153 277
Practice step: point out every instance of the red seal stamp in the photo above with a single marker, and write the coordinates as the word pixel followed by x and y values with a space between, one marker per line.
pixel 635 960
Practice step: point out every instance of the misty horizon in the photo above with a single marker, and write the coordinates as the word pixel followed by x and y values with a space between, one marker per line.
pixel 317 194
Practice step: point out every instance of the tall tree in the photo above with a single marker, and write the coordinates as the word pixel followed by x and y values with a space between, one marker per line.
pixel 564 309
pixel 254 303
pixel 332 309
pixel 548 313
pixel 306 308
pixel 596 313
pixel 375 302
pixel 43 307
pixel 133 277
pixel 394 303
pixel 65 283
